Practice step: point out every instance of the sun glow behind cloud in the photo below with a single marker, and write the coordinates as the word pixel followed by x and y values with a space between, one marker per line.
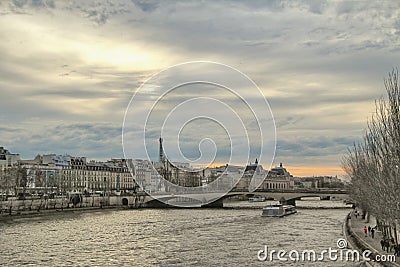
pixel 27 36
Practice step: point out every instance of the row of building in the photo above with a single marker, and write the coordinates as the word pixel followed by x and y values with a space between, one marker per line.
pixel 60 174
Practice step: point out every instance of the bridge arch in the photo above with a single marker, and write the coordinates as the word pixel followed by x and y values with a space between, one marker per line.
pixel 198 200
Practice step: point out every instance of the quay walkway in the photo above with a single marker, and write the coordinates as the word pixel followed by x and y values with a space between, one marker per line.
pixel 355 231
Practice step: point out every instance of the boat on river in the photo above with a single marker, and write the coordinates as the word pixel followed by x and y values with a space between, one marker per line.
pixel 278 210
pixel 257 199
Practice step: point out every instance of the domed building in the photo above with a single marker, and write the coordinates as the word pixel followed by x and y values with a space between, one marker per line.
pixel 278 178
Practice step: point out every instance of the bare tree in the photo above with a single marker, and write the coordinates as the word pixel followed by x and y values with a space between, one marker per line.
pixel 373 164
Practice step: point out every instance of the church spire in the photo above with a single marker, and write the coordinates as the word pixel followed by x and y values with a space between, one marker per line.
pixel 161 151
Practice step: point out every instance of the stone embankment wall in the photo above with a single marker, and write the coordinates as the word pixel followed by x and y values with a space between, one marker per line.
pixel 15 206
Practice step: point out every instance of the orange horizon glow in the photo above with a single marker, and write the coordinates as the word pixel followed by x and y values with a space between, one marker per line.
pixel 302 171
pixel 305 171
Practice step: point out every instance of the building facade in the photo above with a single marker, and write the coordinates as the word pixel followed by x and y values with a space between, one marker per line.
pixel 59 174
pixel 103 177
pixel 8 159
pixel 278 178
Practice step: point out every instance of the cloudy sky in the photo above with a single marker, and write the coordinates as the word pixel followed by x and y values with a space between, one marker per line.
pixel 69 68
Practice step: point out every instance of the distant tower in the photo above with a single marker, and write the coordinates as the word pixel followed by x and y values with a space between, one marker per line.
pixel 161 152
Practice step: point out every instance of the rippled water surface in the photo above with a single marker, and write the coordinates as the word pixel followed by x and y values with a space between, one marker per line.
pixel 169 237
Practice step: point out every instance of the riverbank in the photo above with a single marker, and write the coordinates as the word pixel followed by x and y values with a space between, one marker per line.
pixel 354 234
pixel 52 212
pixel 39 207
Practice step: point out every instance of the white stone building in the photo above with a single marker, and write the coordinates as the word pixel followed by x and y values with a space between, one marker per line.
pixel 8 159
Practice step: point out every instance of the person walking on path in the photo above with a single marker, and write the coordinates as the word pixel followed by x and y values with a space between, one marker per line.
pixel 387 245
pixel 372 232
pixel 369 229
pixel 391 244
pixel 365 231
pixel 383 244
pixel 397 251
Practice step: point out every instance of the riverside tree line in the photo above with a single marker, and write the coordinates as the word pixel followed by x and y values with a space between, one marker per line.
pixel 373 164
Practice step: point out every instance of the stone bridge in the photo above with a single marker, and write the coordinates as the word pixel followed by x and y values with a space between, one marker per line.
pixel 215 199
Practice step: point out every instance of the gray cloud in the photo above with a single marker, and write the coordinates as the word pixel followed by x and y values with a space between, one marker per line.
pixel 320 64
pixel 19 3
pixel 146 6
pixel 98 140
pixel 320 149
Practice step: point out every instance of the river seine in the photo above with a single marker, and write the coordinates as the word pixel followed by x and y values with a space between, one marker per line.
pixel 167 237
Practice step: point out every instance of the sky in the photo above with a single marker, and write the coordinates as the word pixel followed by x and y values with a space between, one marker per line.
pixel 69 69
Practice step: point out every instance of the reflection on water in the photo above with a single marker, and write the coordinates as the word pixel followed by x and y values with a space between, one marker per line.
pixel 309 202
pixel 173 237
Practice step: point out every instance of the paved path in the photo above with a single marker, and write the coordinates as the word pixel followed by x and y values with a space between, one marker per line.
pixel 357 225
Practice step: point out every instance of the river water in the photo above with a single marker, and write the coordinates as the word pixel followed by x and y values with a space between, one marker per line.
pixel 167 237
